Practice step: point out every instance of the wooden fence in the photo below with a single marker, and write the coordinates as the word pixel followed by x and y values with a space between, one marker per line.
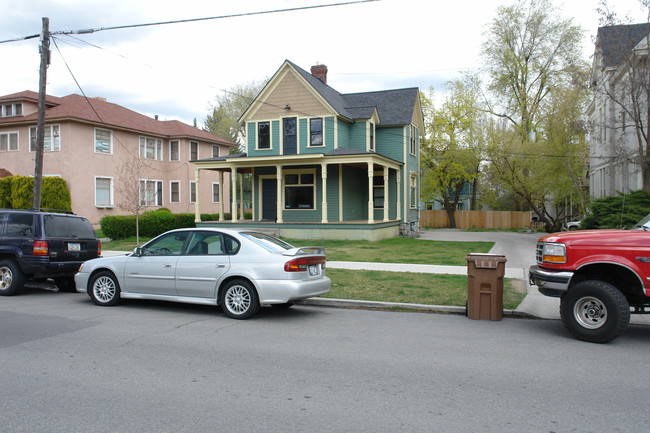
pixel 467 219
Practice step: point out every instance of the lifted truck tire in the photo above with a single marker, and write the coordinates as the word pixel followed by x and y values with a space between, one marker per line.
pixel 594 311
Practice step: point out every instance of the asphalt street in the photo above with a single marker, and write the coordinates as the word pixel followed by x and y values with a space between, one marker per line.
pixel 70 366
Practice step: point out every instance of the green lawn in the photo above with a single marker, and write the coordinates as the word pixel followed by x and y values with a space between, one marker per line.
pixel 399 250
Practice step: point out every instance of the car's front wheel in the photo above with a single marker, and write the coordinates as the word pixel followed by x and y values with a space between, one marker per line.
pixel 11 278
pixel 239 300
pixel 104 289
pixel 594 311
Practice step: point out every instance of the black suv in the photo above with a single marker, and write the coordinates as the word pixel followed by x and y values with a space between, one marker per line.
pixel 37 245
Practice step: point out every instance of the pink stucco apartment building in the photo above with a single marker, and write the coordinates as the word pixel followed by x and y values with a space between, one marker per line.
pixel 102 150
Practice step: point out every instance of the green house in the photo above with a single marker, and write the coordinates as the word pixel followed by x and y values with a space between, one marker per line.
pixel 325 164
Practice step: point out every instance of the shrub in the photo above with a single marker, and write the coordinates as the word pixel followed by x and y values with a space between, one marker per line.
pixel 152 223
pixel 55 194
pixel 118 226
pixel 621 211
pixel 17 192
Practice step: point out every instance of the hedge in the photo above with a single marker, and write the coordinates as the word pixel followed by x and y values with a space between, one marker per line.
pixel 152 223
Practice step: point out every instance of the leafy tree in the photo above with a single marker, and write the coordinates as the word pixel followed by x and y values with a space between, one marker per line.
pixel 223 120
pixel 531 58
pixel 449 155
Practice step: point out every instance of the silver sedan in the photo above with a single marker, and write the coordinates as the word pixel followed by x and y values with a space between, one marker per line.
pixel 236 269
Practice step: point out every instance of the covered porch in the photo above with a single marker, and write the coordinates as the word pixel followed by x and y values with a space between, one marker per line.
pixel 335 196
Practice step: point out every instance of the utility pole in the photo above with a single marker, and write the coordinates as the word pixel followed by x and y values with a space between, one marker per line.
pixel 40 125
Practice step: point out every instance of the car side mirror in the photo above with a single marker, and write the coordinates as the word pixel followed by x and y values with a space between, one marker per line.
pixel 137 251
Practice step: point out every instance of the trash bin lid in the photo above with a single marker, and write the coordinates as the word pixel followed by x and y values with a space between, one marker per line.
pixel 486 260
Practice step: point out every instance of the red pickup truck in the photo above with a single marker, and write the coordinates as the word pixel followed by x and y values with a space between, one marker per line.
pixel 600 276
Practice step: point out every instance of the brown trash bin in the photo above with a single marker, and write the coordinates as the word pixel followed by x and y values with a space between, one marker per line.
pixel 485 286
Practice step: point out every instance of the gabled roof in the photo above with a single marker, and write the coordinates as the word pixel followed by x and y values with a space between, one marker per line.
pixel 394 107
pixel 616 41
pixel 98 111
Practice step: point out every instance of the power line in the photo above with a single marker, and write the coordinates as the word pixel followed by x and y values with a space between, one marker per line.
pixel 160 23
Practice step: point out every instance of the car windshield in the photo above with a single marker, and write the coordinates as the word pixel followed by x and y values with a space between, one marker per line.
pixel 60 226
pixel 644 224
pixel 270 243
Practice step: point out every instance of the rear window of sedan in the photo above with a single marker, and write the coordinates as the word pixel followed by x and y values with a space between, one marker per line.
pixel 270 243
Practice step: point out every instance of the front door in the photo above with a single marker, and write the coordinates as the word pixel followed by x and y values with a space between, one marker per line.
pixel 289 136
pixel 269 199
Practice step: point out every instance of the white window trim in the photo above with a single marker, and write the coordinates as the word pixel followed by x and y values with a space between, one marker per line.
pixel 155 196
pixel 8 134
pixel 110 144
pixel 413 184
pixel 284 186
pixel 198 156
pixel 193 183
pixel 158 149
pixel 371 145
pixel 413 140
pixel 51 127
pixel 111 195
pixel 180 197
pixel 322 132
pixel 216 184
pixel 178 143
pixel 257 135
pixel 14 105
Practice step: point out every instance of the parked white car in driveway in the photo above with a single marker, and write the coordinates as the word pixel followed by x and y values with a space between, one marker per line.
pixel 236 269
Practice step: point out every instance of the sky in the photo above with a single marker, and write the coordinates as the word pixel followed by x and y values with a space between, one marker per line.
pixel 176 71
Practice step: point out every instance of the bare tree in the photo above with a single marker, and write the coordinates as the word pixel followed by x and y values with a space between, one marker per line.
pixel 134 196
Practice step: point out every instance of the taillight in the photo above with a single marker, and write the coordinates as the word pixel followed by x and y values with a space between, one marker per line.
pixel 302 264
pixel 99 248
pixel 40 248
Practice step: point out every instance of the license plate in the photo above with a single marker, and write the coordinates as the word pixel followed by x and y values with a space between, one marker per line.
pixel 74 246
pixel 314 269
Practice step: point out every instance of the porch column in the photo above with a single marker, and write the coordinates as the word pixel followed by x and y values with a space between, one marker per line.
pixel 241 196
pixel 340 192
pixel 233 206
pixel 398 209
pixel 197 204
pixel 324 192
pixel 280 205
pixel 221 196
pixel 386 193
pixel 371 206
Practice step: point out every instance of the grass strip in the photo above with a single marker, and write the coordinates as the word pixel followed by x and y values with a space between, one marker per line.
pixel 411 288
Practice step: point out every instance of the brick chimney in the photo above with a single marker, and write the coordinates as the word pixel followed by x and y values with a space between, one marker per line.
pixel 320 71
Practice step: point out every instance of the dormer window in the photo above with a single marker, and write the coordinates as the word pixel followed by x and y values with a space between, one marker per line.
pixel 11 110
pixel 371 139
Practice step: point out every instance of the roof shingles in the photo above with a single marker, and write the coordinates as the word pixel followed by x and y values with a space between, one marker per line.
pixel 78 107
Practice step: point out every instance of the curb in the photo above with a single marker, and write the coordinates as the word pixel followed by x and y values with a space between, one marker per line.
pixel 378 305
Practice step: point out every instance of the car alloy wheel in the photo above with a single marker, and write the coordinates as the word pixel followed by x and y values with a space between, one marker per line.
pixel 239 300
pixel 104 289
